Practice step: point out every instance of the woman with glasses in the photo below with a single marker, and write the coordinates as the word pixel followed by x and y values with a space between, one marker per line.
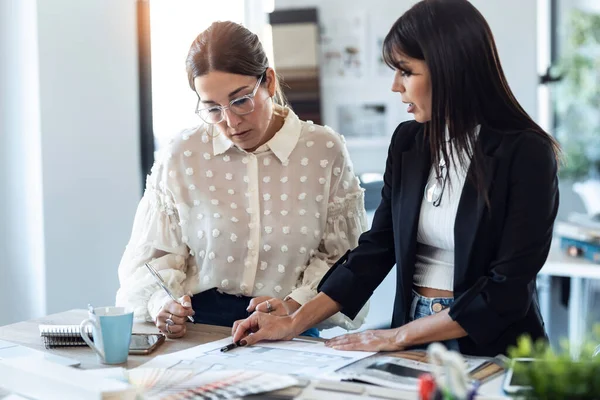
pixel 469 200
pixel 246 212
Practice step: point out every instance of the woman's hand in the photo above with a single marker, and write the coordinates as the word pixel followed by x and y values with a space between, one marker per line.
pixel 261 326
pixel 375 340
pixel 271 305
pixel 171 320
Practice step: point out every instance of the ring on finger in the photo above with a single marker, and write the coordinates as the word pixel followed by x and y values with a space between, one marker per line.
pixel 169 329
pixel 169 322
pixel 170 316
pixel 269 307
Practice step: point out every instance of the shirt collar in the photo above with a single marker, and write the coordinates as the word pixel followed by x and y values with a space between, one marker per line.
pixel 281 144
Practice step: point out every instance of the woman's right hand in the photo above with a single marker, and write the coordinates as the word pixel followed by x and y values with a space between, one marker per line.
pixel 261 326
pixel 172 318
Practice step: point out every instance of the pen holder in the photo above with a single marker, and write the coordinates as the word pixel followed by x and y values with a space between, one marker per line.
pixel 111 330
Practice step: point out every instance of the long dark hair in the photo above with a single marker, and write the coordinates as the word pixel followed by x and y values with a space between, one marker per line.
pixel 468 84
pixel 228 47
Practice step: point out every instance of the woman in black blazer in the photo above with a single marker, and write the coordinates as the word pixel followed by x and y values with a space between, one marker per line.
pixel 473 172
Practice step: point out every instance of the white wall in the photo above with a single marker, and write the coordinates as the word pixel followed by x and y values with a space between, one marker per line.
pixel 516 42
pixel 90 136
pixel 22 290
pixel 70 153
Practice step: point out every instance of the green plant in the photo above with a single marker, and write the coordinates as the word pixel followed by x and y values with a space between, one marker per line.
pixel 577 96
pixel 556 374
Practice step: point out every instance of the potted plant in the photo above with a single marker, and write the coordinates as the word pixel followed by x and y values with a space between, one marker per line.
pixel 557 374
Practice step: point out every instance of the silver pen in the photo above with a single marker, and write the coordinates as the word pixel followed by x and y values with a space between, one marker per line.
pixel 161 282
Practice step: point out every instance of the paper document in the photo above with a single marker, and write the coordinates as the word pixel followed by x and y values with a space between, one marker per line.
pixel 10 350
pixel 297 357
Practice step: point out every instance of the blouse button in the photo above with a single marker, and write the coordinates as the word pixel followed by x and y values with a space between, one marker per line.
pixel 281 268
pixel 263 265
pixel 245 160
pixel 224 283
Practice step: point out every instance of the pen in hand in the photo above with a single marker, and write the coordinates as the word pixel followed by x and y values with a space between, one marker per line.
pixel 230 346
pixel 161 282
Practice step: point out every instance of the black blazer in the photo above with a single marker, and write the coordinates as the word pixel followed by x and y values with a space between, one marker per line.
pixel 498 250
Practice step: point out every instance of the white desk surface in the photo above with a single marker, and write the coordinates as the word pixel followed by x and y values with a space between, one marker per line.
pixel 26 333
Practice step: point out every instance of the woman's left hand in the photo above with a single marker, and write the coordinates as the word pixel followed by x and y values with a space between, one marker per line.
pixel 375 340
pixel 272 305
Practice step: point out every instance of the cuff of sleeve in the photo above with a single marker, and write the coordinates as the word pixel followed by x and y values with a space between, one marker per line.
pixel 156 303
pixel 482 323
pixel 340 284
pixel 302 295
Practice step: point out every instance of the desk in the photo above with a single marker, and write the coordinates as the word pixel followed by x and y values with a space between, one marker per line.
pixel 27 334
pixel 580 271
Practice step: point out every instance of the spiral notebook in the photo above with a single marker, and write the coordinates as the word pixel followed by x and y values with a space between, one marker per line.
pixel 62 335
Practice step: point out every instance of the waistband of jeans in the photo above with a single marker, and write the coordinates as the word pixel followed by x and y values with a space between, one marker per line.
pixel 424 298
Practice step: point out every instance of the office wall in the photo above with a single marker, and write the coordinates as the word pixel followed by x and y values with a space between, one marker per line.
pixel 516 42
pixel 22 290
pixel 69 168
pixel 90 161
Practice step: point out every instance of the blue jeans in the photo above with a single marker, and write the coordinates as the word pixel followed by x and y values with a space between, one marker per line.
pixel 422 306
pixel 215 308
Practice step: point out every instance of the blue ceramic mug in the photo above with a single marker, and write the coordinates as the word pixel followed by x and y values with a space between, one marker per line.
pixel 111 329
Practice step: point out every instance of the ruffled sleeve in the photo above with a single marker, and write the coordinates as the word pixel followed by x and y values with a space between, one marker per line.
pixel 157 239
pixel 346 221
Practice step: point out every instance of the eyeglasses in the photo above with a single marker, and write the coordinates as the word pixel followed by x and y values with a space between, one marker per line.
pixel 435 187
pixel 240 106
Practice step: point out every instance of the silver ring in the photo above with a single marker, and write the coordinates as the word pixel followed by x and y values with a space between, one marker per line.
pixel 169 322
pixel 170 316
pixel 169 329
pixel 269 307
